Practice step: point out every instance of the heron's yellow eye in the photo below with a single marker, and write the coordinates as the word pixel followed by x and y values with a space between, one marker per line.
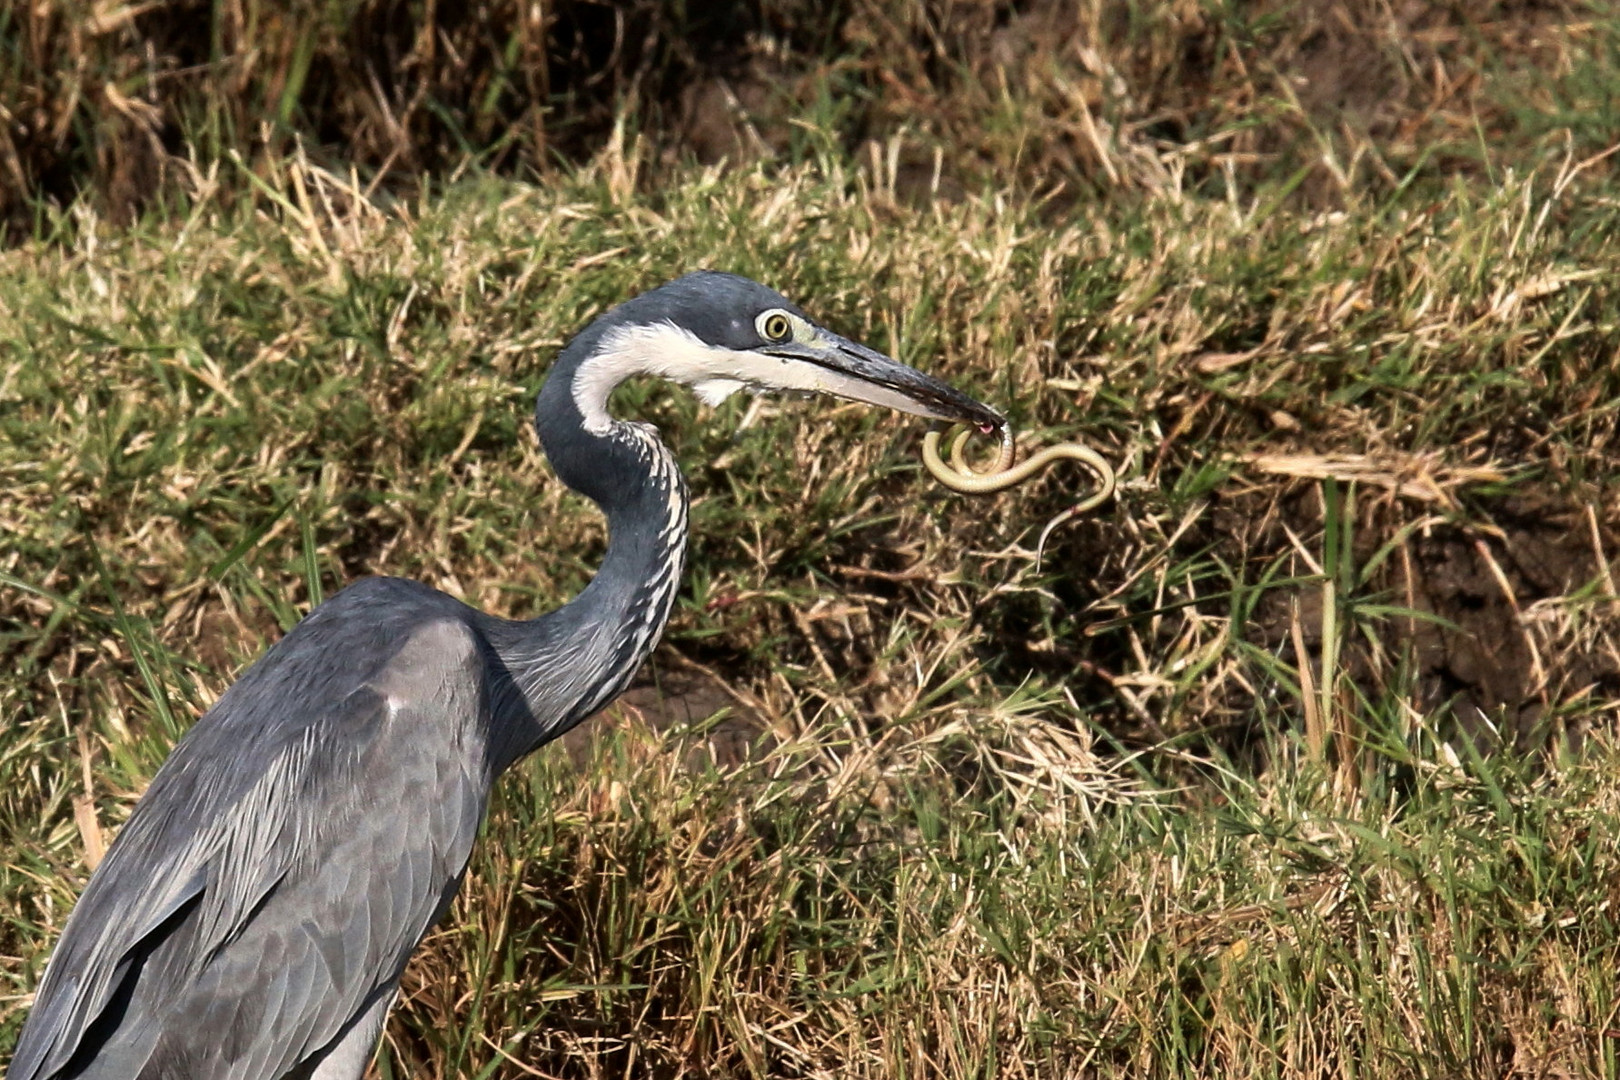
pixel 775 326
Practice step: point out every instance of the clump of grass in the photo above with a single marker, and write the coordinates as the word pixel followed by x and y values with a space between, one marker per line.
pixel 781 922
pixel 1209 793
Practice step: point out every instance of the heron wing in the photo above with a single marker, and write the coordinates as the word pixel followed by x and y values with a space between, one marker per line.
pixel 238 927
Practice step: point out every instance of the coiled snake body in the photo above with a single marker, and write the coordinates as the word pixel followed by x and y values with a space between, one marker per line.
pixel 959 476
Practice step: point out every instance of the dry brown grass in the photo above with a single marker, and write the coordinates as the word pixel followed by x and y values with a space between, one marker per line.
pixel 1333 97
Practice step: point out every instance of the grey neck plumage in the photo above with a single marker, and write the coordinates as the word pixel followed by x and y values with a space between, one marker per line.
pixel 568 663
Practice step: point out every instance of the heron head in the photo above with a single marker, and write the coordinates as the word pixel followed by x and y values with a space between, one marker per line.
pixel 719 333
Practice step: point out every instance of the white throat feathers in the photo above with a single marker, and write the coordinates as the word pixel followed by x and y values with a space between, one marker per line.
pixel 712 371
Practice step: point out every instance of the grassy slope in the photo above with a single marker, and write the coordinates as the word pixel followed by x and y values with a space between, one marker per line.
pixel 938 865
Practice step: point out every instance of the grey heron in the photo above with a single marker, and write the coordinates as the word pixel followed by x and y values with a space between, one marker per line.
pixel 254 916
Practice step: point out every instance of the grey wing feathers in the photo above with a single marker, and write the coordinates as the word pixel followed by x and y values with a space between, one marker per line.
pixel 240 938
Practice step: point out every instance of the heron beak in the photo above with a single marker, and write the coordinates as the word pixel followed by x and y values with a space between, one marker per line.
pixel 849 370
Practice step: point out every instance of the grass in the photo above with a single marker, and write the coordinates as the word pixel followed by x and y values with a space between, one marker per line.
pixel 1299 761
pixel 1084 98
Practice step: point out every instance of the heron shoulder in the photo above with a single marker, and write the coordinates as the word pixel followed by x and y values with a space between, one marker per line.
pixel 440 664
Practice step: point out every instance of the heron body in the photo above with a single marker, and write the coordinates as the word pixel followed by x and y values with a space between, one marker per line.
pixel 254 916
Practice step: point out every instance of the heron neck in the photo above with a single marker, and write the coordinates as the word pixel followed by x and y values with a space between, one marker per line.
pixel 570 662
